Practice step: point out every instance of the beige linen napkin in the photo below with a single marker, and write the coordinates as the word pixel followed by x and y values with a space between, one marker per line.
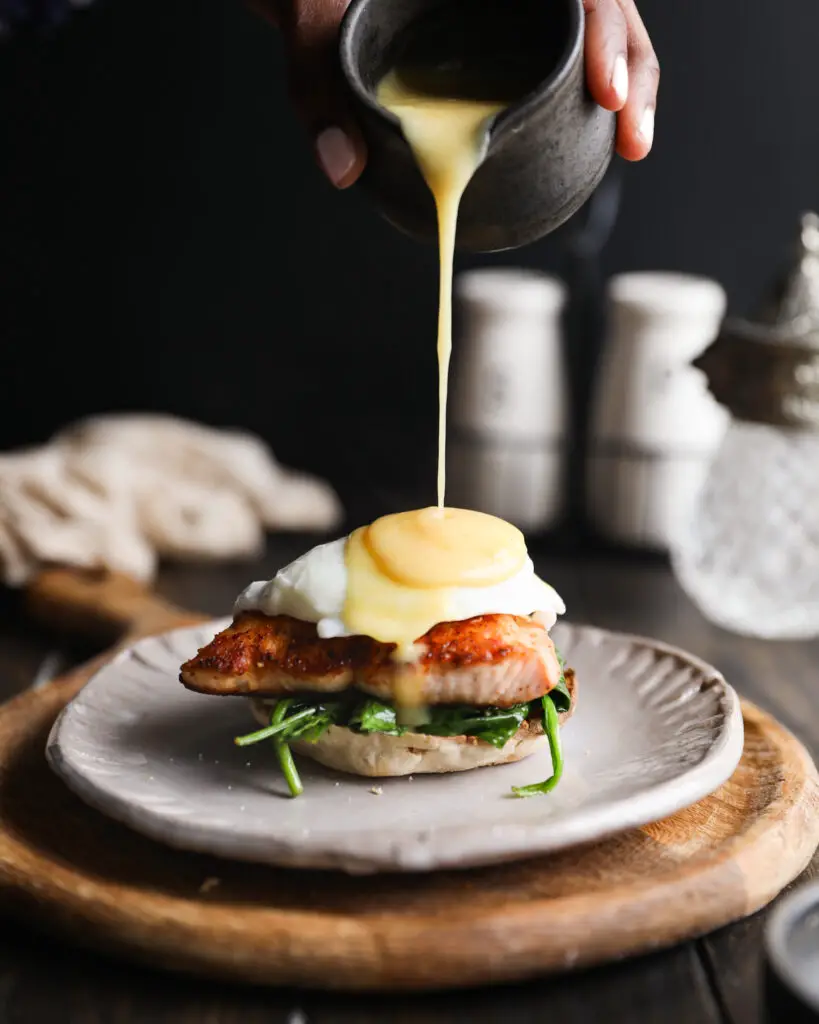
pixel 119 492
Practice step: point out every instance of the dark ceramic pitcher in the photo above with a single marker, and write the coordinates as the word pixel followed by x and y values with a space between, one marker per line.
pixel 544 154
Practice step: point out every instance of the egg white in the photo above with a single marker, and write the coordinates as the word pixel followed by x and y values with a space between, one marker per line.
pixel 314 589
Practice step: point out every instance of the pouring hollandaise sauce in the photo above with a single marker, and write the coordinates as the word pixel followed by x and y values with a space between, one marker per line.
pixel 402 569
pixel 418 643
pixel 447 136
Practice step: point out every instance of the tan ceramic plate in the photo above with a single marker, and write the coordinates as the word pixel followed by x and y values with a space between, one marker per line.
pixel 655 730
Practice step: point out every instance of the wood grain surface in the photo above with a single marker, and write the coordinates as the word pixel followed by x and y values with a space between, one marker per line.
pixel 716 979
pixel 78 874
pixel 102 605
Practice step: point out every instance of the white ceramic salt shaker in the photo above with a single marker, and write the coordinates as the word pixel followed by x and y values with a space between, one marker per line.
pixel 654 426
pixel 508 409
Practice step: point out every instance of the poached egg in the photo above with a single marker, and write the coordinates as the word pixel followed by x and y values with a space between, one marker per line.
pixel 397 578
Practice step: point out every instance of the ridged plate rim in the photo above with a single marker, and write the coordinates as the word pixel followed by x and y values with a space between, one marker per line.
pixel 82 751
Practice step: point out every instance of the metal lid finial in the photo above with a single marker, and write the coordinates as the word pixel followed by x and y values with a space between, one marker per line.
pixel 765 369
pixel 792 310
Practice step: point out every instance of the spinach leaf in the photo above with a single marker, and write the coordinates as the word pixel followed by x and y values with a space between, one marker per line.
pixel 298 721
pixel 561 696
pixel 278 725
pixel 551 727
pixel 494 725
pixel 283 751
pixel 310 729
pixel 373 716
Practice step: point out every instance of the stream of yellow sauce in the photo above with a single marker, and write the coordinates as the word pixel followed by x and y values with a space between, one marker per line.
pixel 404 569
pixel 447 138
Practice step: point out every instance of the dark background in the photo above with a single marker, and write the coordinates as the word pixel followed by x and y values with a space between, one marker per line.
pixel 166 242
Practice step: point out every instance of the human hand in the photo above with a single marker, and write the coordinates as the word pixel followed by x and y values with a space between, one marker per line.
pixel 623 72
pixel 621 67
pixel 309 29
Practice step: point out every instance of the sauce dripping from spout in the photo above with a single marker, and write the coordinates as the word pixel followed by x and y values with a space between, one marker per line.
pixel 447 137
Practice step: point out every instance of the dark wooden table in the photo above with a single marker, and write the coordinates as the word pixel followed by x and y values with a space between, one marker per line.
pixel 715 979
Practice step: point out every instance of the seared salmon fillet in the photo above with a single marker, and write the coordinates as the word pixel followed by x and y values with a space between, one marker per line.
pixel 491 660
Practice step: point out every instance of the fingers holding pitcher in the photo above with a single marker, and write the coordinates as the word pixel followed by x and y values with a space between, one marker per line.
pixel 623 72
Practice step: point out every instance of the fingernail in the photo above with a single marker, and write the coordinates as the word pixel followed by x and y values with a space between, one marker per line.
pixel 619 79
pixel 335 153
pixel 646 129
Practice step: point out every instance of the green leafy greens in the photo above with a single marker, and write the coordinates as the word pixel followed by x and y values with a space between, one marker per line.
pixel 372 716
pixel 283 751
pixel 493 725
pixel 560 695
pixel 551 726
pixel 308 719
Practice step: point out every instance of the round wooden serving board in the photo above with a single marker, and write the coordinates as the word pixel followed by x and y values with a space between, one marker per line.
pixel 75 873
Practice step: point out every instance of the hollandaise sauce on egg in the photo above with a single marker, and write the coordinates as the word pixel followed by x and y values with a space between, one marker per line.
pixel 409 571
pixel 405 573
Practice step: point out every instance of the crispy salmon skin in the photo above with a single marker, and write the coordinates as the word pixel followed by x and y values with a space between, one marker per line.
pixel 490 660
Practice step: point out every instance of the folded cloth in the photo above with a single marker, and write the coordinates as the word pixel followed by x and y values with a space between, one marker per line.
pixel 120 492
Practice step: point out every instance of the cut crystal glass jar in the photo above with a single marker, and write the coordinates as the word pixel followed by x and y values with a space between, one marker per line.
pixel 748 556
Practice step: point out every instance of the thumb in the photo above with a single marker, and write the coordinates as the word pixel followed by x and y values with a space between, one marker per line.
pixel 317 89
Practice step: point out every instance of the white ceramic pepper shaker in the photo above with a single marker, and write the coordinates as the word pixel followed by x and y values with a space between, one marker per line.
pixel 509 402
pixel 654 426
